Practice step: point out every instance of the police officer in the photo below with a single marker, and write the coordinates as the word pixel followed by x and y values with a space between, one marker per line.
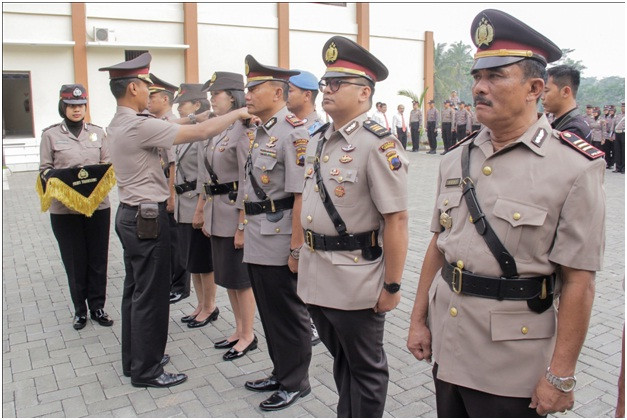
pixel 433 117
pixel 273 233
pixel 415 120
pixel 221 175
pixel 160 105
pixel 355 182
pixel 501 347
pixel 448 118
pixel 619 142
pixel 141 220
pixel 83 241
pixel 608 136
pixel 597 128
pixel 462 122
pixel 475 125
pixel 194 246
pixel 301 101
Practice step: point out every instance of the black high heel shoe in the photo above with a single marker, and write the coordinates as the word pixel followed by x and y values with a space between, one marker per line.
pixel 188 318
pixel 197 324
pixel 233 354
pixel 225 344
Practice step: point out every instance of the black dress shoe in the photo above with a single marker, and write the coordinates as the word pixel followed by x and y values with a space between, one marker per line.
pixel 101 317
pixel 197 324
pixel 79 322
pixel 233 354
pixel 165 380
pixel 225 344
pixel 176 297
pixel 315 338
pixel 261 385
pixel 164 361
pixel 188 318
pixel 282 399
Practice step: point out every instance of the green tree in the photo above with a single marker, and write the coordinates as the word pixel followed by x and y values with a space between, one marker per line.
pixel 566 60
pixel 452 72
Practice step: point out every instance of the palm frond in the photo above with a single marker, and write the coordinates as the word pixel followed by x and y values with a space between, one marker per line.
pixel 408 93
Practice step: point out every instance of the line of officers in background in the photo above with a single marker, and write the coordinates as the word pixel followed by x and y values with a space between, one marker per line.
pixel 457 120
pixel 607 132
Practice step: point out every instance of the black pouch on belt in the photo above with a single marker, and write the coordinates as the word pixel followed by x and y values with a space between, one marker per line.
pixel 148 221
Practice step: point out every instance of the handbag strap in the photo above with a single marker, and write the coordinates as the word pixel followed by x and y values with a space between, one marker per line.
pixel 503 257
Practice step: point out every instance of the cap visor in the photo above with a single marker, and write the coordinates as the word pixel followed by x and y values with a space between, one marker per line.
pixel 491 62
pixel 75 101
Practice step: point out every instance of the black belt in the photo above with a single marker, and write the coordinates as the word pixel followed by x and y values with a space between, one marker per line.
pixel 219 189
pixel 185 187
pixel 349 242
pixel 467 283
pixel 268 206
pixel 128 206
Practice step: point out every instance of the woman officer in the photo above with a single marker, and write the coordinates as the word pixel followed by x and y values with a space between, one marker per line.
pixel 224 160
pixel 83 241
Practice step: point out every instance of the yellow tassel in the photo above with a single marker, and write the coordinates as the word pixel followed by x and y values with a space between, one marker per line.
pixel 55 188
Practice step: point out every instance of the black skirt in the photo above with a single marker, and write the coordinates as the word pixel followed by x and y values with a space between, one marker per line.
pixel 230 271
pixel 195 249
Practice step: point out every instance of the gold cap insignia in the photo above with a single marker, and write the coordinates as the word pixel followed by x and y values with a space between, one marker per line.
pixel 484 34
pixel 246 68
pixel 213 78
pixel 331 54
pixel 82 174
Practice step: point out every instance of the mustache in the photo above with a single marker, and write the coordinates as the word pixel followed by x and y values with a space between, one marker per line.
pixel 480 99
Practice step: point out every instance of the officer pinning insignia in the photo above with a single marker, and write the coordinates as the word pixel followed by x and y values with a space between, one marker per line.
pixel 346 159
pixel 581 145
pixel 270 123
pixel 539 137
pixel 294 120
pixel 387 145
pixel 394 160
pixel 376 129
pixel 348 148
pixel 351 127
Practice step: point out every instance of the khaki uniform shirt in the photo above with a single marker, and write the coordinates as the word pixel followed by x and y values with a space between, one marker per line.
pixel 226 153
pixel 463 117
pixel 278 171
pixel 186 169
pixel 133 141
pixel 433 115
pixel 558 218
pixel 609 123
pixel 597 128
pixel 362 190
pixel 448 115
pixel 60 149
pixel 619 123
pixel 415 115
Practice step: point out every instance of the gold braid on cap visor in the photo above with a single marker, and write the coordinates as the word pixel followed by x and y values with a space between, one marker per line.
pixel 347 70
pixel 509 53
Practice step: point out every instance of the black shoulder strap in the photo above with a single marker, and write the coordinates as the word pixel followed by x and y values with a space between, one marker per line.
pixel 248 169
pixel 504 258
pixel 339 224
pixel 178 162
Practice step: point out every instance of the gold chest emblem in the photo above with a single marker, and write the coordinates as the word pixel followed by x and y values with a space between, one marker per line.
pixel 446 221
pixel 331 54
pixel 484 34
pixel 93 137
pixel 82 174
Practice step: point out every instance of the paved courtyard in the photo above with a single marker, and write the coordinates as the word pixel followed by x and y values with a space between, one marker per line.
pixel 51 370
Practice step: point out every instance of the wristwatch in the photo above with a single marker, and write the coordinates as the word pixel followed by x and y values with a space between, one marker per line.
pixel 391 287
pixel 192 118
pixel 295 253
pixel 565 384
pixel 240 226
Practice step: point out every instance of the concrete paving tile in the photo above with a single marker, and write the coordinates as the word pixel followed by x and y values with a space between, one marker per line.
pixel 74 407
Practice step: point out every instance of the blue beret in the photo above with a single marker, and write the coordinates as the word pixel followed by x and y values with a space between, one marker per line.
pixel 305 80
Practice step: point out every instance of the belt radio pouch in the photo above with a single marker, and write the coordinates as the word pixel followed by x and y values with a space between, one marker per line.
pixel 148 221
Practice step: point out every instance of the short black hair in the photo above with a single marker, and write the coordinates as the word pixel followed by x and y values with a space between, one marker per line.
pixel 564 75
pixel 118 86
pixel 314 95
pixel 533 69
pixel 283 85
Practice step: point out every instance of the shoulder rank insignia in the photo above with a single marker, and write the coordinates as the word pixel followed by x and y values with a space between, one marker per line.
pixel 376 129
pixel 49 127
pixel 539 137
pixel 581 145
pixel 464 140
pixel 293 120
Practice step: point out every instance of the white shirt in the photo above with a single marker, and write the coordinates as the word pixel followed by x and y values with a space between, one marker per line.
pixel 397 121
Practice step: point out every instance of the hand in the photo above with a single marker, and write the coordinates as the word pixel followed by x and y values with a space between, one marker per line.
pixel 255 121
pixel 203 116
pixel 244 114
pixel 204 232
pixel 387 301
pixel 169 205
pixel 198 220
pixel 238 241
pixel 419 341
pixel 292 264
pixel 548 399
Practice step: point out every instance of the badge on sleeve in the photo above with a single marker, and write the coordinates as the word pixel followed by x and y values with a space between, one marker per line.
pixel 393 160
pixel 301 149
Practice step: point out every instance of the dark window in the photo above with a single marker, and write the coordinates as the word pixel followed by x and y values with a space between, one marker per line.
pixel 130 54
pixel 17 116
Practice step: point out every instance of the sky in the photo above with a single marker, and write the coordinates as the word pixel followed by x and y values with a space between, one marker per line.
pixel 596 31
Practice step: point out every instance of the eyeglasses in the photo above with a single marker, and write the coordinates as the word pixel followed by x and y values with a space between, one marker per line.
pixel 335 84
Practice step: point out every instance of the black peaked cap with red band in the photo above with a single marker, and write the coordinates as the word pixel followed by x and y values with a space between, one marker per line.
pixel 138 68
pixel 257 73
pixel 346 58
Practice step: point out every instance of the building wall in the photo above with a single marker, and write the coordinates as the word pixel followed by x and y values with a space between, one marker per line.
pixel 225 36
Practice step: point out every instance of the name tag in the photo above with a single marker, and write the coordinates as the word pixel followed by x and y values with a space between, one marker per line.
pixel 453 182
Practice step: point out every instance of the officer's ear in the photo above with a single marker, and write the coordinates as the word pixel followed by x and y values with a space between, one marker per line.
pixel 536 88
pixel 566 91
pixel 364 94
